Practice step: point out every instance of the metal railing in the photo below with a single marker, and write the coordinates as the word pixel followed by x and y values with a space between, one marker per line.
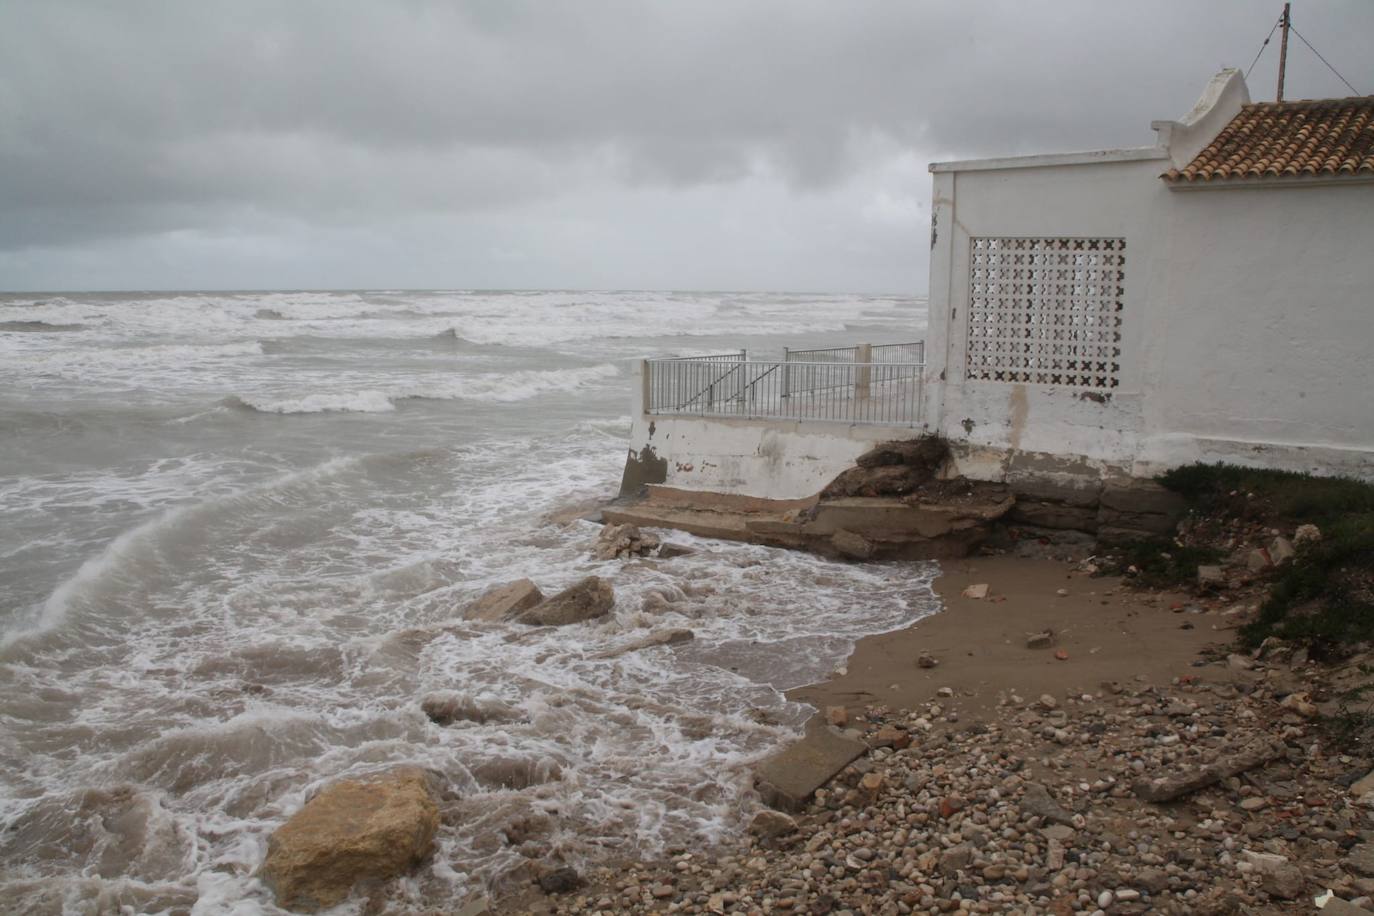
pixel 723 375
pixel 912 352
pixel 738 356
pixel 800 376
pixel 885 394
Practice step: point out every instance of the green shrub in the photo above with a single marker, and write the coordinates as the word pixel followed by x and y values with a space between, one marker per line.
pixel 1164 564
pixel 1325 597
pixel 1271 496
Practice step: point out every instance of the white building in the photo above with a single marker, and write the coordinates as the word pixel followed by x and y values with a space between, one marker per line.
pixel 1094 315
pixel 1209 298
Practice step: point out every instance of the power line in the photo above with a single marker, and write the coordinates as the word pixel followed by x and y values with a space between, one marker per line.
pixel 1262 47
pixel 1322 59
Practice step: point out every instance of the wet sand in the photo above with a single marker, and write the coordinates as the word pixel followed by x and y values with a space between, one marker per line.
pixel 1110 633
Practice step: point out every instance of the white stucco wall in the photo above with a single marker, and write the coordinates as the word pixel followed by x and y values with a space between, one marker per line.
pixel 1248 316
pixel 768 459
pixel 1096 198
pixel 1267 352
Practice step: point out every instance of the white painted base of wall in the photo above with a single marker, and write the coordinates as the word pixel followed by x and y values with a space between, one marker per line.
pixel 1164 452
pixel 767 459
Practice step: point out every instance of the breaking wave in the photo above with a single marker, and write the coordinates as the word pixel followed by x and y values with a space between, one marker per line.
pixel 38 327
pixel 489 387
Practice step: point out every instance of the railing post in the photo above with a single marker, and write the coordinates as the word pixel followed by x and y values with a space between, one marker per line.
pixel 786 373
pixel 646 389
pixel 863 378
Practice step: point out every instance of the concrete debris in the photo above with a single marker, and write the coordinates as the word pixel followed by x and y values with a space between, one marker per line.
pixel 1307 534
pixel 787 779
pixel 620 542
pixel 1281 551
pixel 1168 788
pixel 1300 703
pixel 1211 576
pixel 977 592
pixel 1042 640
pixel 1037 802
pixel 1020 814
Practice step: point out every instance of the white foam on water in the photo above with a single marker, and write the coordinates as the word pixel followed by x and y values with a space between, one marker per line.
pixel 497 387
pixel 367 401
pixel 139 539
pixel 210 666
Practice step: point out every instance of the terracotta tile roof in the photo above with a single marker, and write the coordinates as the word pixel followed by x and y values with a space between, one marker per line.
pixel 1269 140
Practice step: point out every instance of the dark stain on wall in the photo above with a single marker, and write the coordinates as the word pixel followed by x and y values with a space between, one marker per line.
pixel 642 469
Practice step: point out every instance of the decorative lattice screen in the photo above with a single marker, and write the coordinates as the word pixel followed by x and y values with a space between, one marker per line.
pixel 1046 311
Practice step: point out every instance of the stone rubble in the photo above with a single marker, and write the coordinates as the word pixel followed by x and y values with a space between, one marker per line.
pixel 1035 810
pixel 621 542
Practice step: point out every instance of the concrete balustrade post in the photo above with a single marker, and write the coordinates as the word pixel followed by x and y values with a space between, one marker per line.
pixel 863 378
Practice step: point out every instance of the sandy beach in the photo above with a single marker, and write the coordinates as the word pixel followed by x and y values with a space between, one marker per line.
pixel 1109 632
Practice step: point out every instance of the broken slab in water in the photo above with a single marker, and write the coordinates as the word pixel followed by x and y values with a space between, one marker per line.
pixel 936 522
pixel 787 779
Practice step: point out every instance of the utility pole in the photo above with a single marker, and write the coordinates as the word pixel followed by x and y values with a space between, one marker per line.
pixel 1283 47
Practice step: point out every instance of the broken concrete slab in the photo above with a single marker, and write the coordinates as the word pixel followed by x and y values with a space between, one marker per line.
pixel 788 778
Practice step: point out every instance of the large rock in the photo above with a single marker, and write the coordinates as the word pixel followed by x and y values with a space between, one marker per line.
pixel 591 598
pixel 504 601
pixel 851 545
pixel 447 708
pixel 353 832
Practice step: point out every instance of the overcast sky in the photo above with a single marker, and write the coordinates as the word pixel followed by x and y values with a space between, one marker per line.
pixel 740 144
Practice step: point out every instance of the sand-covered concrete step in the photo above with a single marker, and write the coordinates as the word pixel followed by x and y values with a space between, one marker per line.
pixel 707 523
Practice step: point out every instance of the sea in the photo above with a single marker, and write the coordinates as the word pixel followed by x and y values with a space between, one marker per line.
pixel 237 530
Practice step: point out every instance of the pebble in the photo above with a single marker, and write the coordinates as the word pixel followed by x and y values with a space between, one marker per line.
pixel 1033 810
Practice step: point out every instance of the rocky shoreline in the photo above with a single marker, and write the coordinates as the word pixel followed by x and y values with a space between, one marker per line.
pixel 1212 791
pixel 1052 742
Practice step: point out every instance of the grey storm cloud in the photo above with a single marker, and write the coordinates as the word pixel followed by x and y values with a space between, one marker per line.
pixel 133 127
